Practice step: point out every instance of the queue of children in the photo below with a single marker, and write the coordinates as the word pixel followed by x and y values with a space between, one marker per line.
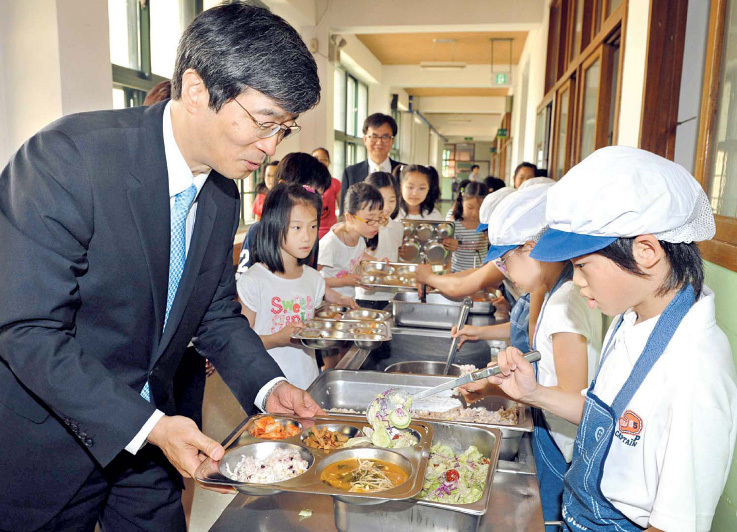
pixel 633 431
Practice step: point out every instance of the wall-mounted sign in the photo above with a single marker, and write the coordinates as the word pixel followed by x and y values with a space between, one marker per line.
pixel 502 133
pixel 492 149
pixel 468 138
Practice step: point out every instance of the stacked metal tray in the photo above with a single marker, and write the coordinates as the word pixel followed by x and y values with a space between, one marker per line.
pixel 423 241
pixel 335 327
pixel 328 334
pixel 392 275
pixel 242 443
pixel 354 390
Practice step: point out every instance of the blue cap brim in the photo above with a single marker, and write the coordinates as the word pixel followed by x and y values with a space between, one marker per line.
pixel 497 251
pixel 557 246
pixel 482 227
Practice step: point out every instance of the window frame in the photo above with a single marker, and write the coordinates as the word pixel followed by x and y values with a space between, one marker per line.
pixel 598 45
pixel 722 249
pixel 352 143
pixel 570 88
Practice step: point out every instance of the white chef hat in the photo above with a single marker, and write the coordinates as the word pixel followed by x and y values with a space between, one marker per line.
pixel 536 181
pixel 490 203
pixel 619 192
pixel 518 218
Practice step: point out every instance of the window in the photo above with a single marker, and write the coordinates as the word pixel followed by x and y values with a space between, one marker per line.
pixel 582 81
pixel 563 120
pixel 350 111
pixel 542 136
pixel 716 165
pixel 144 35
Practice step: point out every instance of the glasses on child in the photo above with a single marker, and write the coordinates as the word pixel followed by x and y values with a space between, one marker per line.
pixel 501 262
pixel 370 223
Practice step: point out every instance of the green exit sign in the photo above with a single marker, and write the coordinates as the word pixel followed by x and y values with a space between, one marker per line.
pixel 501 79
pixel 468 139
pixel 492 149
pixel 502 133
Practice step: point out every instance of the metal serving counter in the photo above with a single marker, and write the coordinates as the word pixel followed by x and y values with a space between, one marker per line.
pixel 515 507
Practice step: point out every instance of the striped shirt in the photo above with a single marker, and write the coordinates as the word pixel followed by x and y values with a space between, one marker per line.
pixel 472 248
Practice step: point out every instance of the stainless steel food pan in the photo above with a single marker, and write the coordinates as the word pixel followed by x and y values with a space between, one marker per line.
pixel 439 312
pixel 349 389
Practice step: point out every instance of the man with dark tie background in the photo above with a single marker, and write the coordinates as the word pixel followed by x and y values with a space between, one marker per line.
pixel 118 231
pixel 379 131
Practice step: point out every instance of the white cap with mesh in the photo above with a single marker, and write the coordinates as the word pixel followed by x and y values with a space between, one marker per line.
pixel 618 192
pixel 520 217
pixel 490 203
pixel 537 181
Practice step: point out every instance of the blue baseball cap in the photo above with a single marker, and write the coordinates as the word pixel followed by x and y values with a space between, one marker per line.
pixel 557 246
pixel 497 251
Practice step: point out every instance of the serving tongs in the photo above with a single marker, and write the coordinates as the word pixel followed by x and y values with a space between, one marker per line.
pixel 400 398
pixel 465 309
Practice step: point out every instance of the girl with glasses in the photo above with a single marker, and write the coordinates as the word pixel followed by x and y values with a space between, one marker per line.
pixel 345 245
pixel 568 333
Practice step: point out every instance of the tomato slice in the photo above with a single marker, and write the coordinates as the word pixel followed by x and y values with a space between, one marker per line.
pixel 452 475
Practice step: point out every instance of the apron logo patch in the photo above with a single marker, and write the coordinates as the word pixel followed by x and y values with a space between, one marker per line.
pixel 630 426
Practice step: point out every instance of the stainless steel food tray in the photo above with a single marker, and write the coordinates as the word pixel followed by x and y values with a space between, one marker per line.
pixel 439 312
pixel 326 333
pixel 418 515
pixel 422 242
pixel 390 275
pixel 241 442
pixel 354 390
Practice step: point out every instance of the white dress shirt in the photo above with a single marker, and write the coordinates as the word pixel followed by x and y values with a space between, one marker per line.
pixel 386 166
pixel 180 179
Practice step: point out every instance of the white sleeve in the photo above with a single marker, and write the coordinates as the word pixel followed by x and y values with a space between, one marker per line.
pixel 319 288
pixel 697 453
pixel 248 289
pixel 567 312
pixel 137 443
pixel 325 256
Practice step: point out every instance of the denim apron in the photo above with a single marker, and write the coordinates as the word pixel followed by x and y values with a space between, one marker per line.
pixel 519 324
pixel 584 505
pixel 549 461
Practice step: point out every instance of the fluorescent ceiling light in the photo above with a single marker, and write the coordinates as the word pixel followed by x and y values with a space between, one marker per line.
pixel 442 65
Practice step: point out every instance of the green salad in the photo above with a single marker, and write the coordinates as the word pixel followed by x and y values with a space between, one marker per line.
pixel 454 478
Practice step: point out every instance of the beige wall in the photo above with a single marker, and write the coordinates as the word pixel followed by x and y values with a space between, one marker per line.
pixel 55 60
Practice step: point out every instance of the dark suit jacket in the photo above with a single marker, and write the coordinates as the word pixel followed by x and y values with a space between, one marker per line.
pixel 84 219
pixel 356 173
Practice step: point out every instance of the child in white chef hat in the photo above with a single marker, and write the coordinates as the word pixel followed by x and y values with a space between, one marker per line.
pixel 657 426
pixel 513 300
pixel 567 334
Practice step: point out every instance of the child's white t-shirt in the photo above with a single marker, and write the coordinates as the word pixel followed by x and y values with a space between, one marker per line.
pixel 566 311
pixel 668 470
pixel 337 259
pixel 390 238
pixel 434 216
pixel 278 301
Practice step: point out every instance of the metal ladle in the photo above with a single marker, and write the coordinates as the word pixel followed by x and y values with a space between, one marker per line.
pixel 465 309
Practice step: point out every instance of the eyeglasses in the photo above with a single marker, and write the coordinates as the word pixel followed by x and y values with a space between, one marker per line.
pixel 269 129
pixel 501 262
pixel 382 138
pixel 370 223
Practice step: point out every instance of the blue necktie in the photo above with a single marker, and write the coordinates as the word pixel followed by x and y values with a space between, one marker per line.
pixel 177 253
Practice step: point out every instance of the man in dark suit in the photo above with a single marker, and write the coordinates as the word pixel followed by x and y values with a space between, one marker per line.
pixel 118 231
pixel 379 131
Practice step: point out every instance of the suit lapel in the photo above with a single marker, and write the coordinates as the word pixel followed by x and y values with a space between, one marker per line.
pixel 148 196
pixel 204 223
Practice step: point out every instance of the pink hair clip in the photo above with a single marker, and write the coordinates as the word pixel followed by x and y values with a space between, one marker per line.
pixel 308 188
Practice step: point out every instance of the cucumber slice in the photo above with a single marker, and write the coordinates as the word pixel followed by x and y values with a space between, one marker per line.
pixel 400 418
pixel 380 437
